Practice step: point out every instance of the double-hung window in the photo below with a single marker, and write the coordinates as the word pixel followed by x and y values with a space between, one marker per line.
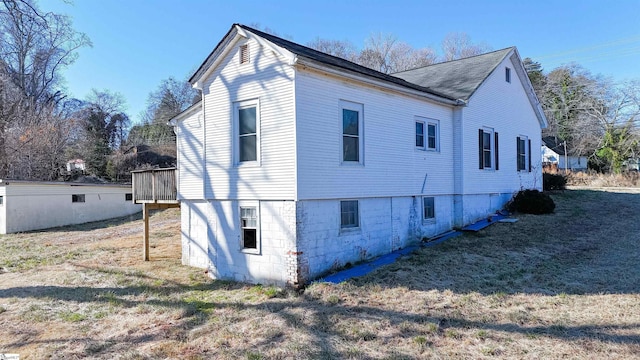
pixel 249 227
pixel 524 153
pixel 428 208
pixel 488 149
pixel 349 214
pixel 352 132
pixel 247 131
pixel 427 134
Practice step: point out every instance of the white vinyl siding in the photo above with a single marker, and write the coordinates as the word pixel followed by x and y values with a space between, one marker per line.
pixel 269 80
pixel 392 166
pixel 190 133
pixel 505 108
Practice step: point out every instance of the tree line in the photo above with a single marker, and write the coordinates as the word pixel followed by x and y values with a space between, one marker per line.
pixel 41 127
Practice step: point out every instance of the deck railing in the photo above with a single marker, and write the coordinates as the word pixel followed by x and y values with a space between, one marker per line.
pixel 154 186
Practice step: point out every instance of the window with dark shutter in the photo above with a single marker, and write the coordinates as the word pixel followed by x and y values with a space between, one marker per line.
pixel 495 144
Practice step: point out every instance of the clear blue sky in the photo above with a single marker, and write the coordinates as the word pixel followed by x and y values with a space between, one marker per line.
pixel 137 43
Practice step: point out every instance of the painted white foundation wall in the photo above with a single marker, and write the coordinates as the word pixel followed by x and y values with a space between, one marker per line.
pixel 386 224
pixel 211 238
pixel 34 206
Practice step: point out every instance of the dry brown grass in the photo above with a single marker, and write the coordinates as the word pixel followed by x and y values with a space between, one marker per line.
pixel 564 285
pixel 593 179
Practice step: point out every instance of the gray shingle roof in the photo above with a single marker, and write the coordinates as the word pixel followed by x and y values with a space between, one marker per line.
pixel 452 80
pixel 335 61
pixel 458 79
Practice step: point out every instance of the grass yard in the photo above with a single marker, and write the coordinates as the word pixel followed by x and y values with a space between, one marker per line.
pixel 565 285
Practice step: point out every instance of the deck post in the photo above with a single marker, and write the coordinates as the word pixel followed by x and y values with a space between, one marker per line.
pixel 145 218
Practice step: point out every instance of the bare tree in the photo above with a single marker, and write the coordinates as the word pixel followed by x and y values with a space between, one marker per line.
pixel 168 100
pixel 35 47
pixel 385 53
pixel 458 45
pixel 340 48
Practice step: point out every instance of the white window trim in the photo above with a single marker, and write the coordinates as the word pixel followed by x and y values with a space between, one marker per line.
pixel 256 205
pixel 348 229
pixel 425 219
pixel 360 109
pixel 492 142
pixel 526 153
pixel 237 105
pixel 426 122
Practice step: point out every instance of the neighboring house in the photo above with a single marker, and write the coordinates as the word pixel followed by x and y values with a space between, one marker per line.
pixel 32 205
pixel 296 163
pixel 76 165
pixel 553 153
pixel 632 164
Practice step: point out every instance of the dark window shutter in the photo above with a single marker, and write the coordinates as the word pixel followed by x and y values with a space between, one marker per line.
pixel 530 155
pixel 480 149
pixel 496 150
pixel 518 153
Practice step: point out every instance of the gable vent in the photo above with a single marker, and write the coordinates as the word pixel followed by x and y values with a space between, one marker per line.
pixel 244 54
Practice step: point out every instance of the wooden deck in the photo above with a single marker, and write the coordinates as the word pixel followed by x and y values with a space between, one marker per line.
pixel 155 186
pixel 155 189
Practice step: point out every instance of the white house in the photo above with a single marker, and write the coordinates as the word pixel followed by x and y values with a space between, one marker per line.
pixel 32 205
pixel 296 162
pixel 554 152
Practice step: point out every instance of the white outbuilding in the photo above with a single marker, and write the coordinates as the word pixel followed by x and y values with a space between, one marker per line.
pixel 35 205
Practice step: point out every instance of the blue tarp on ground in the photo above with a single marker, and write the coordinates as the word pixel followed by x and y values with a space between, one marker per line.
pixel 367 267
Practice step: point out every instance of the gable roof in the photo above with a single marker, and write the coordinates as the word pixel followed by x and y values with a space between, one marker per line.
pixel 303 52
pixel 452 82
pixel 457 78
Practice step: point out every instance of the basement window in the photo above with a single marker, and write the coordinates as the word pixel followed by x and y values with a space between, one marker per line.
pixel 128 197
pixel 349 216
pixel 245 55
pixel 428 208
pixel 249 228
pixel 77 198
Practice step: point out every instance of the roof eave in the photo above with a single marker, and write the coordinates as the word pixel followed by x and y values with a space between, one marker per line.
pixel 531 93
pixel 353 75
pixel 183 115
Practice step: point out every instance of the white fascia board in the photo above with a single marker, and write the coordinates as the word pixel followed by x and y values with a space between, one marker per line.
pixel 289 57
pixel 528 88
pixel 198 84
pixel 377 83
pixel 183 115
